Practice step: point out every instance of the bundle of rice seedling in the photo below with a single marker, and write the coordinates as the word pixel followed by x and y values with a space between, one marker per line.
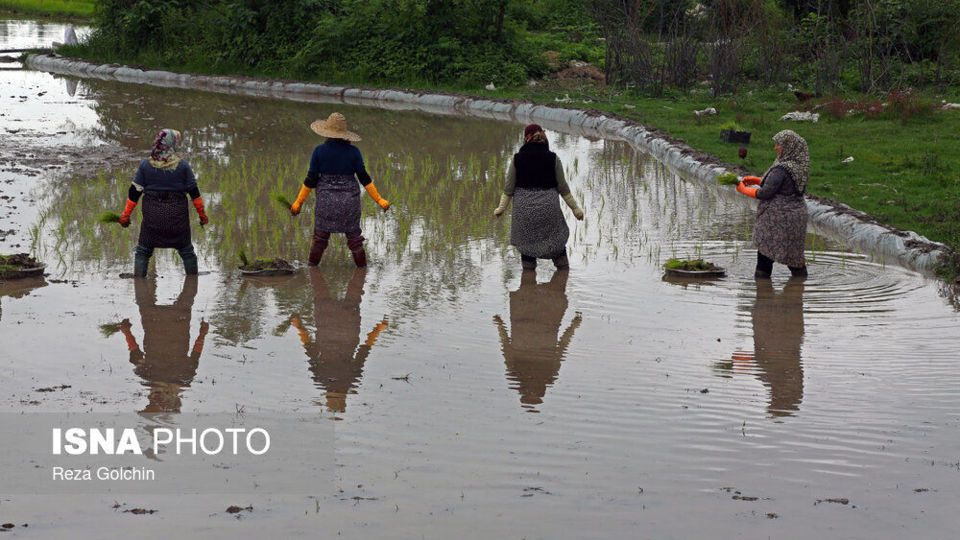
pixel 281 199
pixel 243 257
pixel 109 217
pixel 728 179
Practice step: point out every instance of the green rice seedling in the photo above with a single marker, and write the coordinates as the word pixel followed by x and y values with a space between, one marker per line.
pixel 243 257
pixel 728 179
pixel 109 217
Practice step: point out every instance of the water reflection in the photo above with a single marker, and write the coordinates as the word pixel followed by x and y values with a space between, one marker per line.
pixel 19 288
pixel 336 356
pixel 531 349
pixel 777 345
pixel 166 363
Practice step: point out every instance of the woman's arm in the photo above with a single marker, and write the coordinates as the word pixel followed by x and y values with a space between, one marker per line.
pixel 309 183
pixel 507 191
pixel 190 183
pixel 564 190
pixel 366 181
pixel 772 184
pixel 133 196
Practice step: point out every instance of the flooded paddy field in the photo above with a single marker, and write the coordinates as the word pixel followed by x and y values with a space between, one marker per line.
pixel 465 399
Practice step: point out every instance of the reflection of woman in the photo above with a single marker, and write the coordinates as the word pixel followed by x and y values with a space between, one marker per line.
pixel 335 167
pixel 531 349
pixel 167 363
pixel 777 343
pixel 538 228
pixel 782 212
pixel 336 355
pixel 163 179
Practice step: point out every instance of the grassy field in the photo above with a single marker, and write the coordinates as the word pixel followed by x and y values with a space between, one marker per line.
pixel 81 9
pixel 906 150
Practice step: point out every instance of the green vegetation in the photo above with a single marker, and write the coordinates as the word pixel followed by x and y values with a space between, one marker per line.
pixel 692 265
pixel 109 217
pixel 83 9
pixel 282 200
pixel 728 179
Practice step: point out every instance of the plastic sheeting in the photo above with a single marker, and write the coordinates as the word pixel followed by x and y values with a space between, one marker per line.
pixel 855 229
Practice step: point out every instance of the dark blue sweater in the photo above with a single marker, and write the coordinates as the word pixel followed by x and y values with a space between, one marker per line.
pixel 150 178
pixel 336 156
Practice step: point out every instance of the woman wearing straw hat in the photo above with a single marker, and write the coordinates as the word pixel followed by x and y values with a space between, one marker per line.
pixel 162 180
pixel 535 178
pixel 335 167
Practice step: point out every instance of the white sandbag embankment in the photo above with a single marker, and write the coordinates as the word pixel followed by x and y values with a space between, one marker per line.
pixel 855 229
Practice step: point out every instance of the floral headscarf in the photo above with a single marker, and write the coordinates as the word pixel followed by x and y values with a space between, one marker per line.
pixel 795 158
pixel 534 133
pixel 164 154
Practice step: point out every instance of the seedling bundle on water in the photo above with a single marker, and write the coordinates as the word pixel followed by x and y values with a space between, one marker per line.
pixel 20 265
pixel 693 268
pixel 262 266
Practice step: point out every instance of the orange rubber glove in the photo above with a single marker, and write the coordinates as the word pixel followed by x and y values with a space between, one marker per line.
pixel 372 191
pixel 752 180
pixel 749 191
pixel 302 196
pixel 125 217
pixel 198 204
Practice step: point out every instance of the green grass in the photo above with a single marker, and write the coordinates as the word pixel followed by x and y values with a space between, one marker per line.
pixel 82 9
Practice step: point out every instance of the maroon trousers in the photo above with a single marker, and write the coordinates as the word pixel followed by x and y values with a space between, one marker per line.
pixel 354 241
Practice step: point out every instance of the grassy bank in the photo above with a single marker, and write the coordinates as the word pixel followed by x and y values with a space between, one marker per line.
pixel 75 9
pixel 905 149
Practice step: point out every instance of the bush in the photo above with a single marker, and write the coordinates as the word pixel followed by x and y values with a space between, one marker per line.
pixel 381 41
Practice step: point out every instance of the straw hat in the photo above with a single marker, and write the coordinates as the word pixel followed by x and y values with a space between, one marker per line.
pixel 335 126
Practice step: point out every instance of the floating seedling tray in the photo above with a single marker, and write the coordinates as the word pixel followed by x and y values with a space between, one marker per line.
pixel 19 266
pixel 21 273
pixel 697 268
pixel 267 268
pixel 267 272
pixel 714 273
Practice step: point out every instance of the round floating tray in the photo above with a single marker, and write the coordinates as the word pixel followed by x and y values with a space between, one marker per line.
pixel 267 272
pixel 23 273
pixel 677 272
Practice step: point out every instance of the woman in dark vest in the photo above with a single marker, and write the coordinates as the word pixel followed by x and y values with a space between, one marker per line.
pixel 162 180
pixel 782 213
pixel 534 180
pixel 335 168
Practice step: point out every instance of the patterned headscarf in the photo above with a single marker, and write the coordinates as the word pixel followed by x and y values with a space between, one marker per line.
pixel 534 133
pixel 795 158
pixel 164 154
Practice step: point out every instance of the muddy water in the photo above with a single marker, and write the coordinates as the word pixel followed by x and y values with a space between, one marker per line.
pixel 469 400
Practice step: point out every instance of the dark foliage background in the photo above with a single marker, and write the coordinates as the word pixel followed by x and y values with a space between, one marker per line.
pixel 652 46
